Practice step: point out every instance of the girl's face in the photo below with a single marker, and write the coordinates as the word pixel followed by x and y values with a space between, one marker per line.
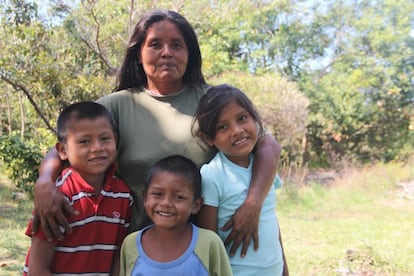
pixel 164 57
pixel 236 134
pixel 169 200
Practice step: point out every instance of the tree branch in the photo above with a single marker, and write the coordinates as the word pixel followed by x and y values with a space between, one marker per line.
pixel 98 49
pixel 20 87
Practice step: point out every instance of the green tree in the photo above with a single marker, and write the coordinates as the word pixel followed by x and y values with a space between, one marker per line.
pixel 352 59
pixel 362 100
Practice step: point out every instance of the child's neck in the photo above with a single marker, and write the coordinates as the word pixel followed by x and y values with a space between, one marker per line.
pixel 164 245
pixel 243 161
pixel 96 181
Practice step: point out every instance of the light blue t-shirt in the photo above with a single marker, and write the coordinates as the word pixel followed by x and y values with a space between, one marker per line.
pixel 205 255
pixel 187 264
pixel 225 185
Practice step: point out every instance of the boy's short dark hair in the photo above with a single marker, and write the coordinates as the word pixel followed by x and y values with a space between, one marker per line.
pixel 79 111
pixel 180 165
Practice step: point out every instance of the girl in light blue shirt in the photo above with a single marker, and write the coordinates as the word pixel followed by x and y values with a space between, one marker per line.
pixel 227 120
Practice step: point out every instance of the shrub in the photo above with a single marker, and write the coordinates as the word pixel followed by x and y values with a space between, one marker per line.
pixel 21 161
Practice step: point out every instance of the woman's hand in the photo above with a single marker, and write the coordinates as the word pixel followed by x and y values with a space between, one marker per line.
pixel 244 226
pixel 50 207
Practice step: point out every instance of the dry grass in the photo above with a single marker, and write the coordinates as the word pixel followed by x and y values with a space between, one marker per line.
pixel 356 224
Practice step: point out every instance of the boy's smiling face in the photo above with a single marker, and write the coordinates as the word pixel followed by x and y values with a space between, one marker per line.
pixel 169 200
pixel 90 147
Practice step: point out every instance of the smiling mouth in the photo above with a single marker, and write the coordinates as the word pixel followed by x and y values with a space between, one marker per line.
pixel 164 214
pixel 97 159
pixel 241 141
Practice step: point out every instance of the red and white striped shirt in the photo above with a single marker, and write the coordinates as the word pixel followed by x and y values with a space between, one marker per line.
pixel 97 231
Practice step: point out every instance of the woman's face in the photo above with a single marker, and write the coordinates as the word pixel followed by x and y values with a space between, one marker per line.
pixel 164 57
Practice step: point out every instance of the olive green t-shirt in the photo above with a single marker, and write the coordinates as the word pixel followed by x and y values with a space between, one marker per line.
pixel 153 127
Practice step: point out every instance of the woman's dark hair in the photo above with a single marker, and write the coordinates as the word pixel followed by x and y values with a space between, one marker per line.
pixel 213 102
pixel 177 164
pixel 131 73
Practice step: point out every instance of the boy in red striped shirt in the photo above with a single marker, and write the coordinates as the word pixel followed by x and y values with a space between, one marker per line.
pixel 87 140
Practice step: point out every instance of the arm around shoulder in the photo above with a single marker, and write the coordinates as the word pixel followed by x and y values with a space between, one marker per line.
pixel 244 223
pixel 50 206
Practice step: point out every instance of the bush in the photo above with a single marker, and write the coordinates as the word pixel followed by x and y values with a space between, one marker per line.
pixel 21 161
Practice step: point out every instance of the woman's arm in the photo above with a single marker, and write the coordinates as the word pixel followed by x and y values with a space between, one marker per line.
pixel 41 255
pixel 50 206
pixel 245 222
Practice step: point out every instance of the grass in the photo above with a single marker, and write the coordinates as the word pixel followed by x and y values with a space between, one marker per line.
pixel 14 215
pixel 360 224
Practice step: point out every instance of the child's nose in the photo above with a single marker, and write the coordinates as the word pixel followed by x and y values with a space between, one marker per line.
pixel 97 146
pixel 166 200
pixel 236 129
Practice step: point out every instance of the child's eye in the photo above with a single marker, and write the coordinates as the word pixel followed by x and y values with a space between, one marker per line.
pixel 156 194
pixel 243 117
pixel 106 138
pixel 83 141
pixel 221 127
pixel 179 197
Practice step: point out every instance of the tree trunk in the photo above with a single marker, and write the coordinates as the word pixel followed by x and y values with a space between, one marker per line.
pixel 22 117
pixel 9 120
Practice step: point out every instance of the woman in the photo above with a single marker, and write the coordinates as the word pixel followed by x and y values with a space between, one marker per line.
pixel 159 86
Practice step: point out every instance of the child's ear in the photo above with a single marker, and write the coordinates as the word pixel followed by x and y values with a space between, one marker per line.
pixel 116 138
pixel 197 205
pixel 61 150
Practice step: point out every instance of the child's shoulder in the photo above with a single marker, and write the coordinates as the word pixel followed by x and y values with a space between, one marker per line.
pixel 118 184
pixel 209 245
pixel 68 180
pixel 207 236
pixel 215 163
pixel 131 237
pixel 116 180
pixel 128 247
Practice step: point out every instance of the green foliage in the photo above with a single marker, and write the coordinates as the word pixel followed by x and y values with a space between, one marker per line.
pixel 353 61
pixel 21 160
pixel 362 102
